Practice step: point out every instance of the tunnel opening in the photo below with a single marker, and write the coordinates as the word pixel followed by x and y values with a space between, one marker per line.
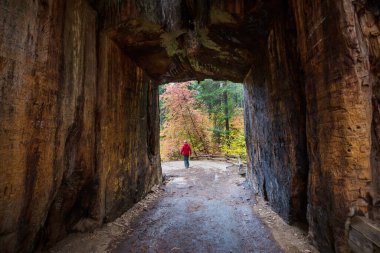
pixel 209 114
pixel 279 171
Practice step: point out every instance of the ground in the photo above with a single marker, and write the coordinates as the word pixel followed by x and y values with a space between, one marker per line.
pixel 206 208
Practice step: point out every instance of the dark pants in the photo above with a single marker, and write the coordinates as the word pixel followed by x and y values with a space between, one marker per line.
pixel 186 160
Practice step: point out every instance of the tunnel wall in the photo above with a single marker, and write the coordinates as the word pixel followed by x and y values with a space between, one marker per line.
pixel 78 124
pixel 275 123
pixel 332 47
pixel 335 57
pixel 368 28
pixel 126 150
pixel 31 51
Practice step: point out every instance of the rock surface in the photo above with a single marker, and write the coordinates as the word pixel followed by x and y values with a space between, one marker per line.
pixel 79 116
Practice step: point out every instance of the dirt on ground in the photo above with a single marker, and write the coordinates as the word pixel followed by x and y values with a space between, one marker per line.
pixel 206 208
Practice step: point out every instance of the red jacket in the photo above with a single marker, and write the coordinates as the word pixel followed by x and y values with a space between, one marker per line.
pixel 186 150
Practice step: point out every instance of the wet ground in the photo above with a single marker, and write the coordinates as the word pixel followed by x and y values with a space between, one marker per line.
pixel 205 208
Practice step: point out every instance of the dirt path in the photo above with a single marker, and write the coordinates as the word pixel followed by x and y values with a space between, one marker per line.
pixel 206 208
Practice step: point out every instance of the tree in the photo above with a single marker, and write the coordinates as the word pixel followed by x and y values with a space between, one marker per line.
pixel 236 139
pixel 209 114
pixel 222 99
pixel 226 113
pixel 183 121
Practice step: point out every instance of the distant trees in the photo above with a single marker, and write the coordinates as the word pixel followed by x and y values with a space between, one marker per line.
pixel 183 120
pixel 223 101
pixel 209 114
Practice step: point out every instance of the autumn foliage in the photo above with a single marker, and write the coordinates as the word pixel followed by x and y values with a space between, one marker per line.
pixel 183 121
pixel 196 113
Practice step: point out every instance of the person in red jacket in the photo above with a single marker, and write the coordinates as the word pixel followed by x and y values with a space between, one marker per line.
pixel 186 152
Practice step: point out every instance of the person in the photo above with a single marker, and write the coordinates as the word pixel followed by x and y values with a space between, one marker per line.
pixel 186 152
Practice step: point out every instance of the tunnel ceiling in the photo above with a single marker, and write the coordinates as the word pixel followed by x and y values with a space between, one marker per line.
pixel 185 40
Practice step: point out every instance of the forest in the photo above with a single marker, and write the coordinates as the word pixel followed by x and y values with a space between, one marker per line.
pixel 208 114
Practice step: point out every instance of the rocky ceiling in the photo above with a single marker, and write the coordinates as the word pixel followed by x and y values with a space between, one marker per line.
pixel 182 40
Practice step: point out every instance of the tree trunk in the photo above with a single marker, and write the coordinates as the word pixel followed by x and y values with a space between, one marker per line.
pixel 226 114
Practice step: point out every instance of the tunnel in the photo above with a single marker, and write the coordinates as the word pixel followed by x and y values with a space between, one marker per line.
pixel 79 119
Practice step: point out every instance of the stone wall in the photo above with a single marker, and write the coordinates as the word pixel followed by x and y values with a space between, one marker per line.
pixel 79 124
